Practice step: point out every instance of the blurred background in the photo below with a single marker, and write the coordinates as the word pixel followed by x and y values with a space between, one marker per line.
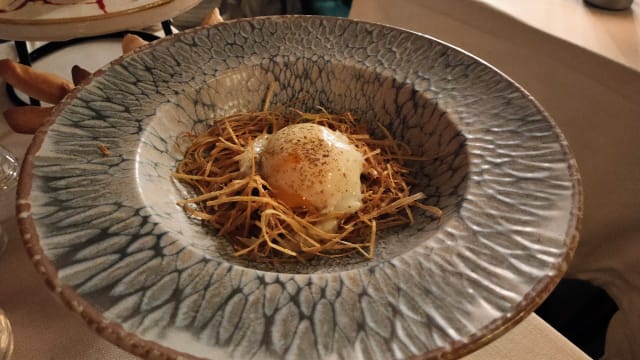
pixel 233 9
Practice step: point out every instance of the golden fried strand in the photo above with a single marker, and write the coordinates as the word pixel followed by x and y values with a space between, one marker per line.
pixel 241 206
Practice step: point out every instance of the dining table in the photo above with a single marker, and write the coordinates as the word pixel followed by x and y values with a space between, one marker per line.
pixel 591 91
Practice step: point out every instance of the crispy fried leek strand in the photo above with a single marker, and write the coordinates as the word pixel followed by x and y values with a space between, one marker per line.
pixel 241 206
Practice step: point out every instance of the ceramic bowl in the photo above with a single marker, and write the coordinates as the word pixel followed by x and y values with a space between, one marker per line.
pixel 106 233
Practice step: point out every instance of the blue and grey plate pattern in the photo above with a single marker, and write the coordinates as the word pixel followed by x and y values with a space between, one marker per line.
pixel 107 235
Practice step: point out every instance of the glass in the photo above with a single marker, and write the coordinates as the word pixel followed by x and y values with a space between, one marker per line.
pixel 6 335
pixel 8 179
pixel 8 169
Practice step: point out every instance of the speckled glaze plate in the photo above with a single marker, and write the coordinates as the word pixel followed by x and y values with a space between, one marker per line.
pixel 106 234
pixel 65 19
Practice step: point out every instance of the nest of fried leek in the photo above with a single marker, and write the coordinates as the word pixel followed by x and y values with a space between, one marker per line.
pixel 242 208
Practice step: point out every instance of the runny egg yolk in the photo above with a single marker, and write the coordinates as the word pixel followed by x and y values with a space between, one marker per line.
pixel 311 166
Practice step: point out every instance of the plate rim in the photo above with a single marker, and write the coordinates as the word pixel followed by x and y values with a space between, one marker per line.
pixel 85 18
